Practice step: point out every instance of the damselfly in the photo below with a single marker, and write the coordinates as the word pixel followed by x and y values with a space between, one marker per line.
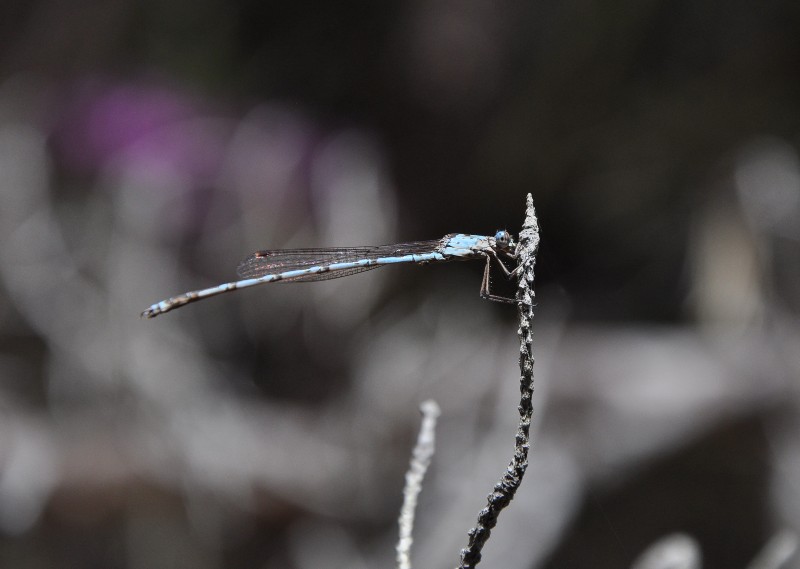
pixel 305 265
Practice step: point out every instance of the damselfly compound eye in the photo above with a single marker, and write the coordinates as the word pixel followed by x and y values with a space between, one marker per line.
pixel 502 238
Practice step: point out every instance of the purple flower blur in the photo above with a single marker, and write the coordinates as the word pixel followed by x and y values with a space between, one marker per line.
pixel 142 122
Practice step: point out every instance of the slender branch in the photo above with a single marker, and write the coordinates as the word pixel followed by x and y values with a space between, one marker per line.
pixel 420 459
pixel 505 489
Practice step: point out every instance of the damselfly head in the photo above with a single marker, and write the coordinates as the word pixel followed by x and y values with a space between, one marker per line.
pixel 503 239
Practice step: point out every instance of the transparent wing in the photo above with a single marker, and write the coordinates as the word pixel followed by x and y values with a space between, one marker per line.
pixel 270 262
pixel 334 274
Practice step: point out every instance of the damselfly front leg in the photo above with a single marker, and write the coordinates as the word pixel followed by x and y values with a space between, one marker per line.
pixel 485 282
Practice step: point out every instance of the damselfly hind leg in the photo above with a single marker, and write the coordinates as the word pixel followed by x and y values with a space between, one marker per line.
pixel 493 255
pixel 485 290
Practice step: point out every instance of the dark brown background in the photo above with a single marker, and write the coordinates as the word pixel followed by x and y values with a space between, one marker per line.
pixel 146 147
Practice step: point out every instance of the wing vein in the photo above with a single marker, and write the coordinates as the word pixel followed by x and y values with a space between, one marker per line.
pixel 272 262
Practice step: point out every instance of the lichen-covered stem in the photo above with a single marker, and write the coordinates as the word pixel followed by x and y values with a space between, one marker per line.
pixel 504 490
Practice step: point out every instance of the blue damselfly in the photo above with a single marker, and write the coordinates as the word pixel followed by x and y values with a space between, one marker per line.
pixel 305 265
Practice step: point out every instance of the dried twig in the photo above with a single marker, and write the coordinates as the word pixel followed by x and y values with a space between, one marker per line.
pixel 505 489
pixel 420 459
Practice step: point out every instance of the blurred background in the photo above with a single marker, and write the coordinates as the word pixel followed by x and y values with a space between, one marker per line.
pixel 145 148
